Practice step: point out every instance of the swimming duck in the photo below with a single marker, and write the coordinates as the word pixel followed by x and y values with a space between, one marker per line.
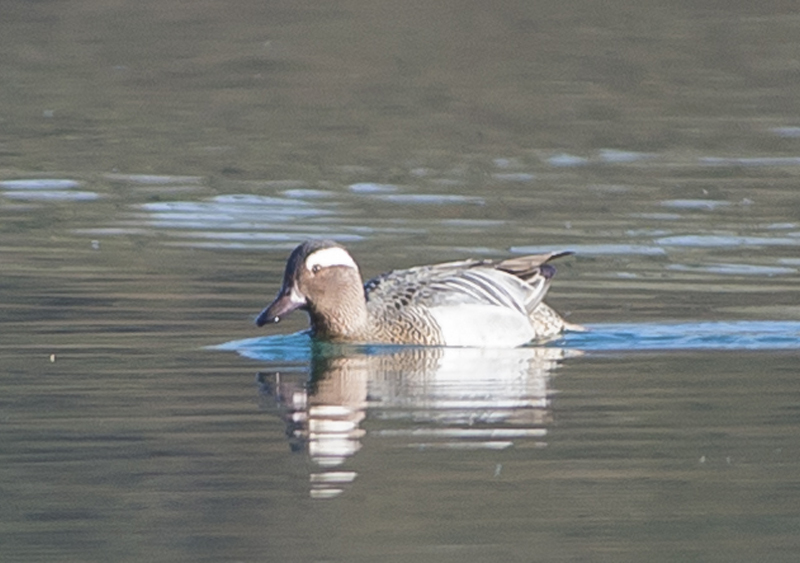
pixel 476 303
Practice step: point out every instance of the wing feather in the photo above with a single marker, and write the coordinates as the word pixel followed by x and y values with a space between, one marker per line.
pixel 518 283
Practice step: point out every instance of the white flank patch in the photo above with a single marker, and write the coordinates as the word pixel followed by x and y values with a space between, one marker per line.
pixel 484 326
pixel 327 257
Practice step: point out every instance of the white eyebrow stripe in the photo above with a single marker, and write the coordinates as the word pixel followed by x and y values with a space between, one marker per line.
pixel 327 257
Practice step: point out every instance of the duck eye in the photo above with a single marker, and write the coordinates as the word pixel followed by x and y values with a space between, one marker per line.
pixel 316 268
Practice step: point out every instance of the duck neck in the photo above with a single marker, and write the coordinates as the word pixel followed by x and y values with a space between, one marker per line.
pixel 345 319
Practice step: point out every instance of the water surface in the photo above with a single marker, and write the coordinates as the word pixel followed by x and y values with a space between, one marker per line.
pixel 158 162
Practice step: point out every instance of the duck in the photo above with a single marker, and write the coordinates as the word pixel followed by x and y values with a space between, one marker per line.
pixel 467 303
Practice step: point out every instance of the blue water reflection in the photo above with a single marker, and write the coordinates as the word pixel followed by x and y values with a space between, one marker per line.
pixel 713 335
pixel 601 337
pixel 274 348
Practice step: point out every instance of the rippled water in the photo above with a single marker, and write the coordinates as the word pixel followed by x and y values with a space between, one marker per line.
pixel 158 162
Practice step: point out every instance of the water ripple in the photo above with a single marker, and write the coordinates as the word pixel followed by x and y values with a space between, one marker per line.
pixel 39 184
pixel 725 241
pixel 596 249
pixel 609 337
pixel 734 269
pixel 51 195
pixel 712 335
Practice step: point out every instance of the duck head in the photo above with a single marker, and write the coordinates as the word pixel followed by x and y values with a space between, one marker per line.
pixel 322 279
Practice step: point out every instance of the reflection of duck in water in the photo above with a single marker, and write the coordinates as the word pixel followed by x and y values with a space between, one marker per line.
pixel 483 303
pixel 424 397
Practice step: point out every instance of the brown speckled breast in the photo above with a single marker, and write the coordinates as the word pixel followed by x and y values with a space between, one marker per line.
pixel 411 325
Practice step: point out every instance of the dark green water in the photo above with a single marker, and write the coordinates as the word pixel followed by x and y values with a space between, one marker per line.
pixel 159 160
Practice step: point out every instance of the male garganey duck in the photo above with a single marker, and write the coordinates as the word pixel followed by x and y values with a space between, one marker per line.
pixel 477 303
